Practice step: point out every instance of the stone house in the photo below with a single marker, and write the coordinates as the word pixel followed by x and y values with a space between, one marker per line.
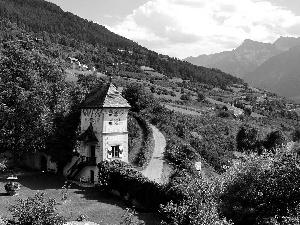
pixel 103 135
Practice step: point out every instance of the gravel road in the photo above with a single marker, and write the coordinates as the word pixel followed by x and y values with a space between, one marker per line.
pixel 154 169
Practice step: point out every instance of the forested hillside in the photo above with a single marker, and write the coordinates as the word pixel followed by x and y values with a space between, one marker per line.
pixel 247 140
pixel 38 108
pixel 96 45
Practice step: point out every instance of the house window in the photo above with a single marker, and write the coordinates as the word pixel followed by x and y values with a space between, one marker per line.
pixel 110 123
pixel 93 151
pixel 115 151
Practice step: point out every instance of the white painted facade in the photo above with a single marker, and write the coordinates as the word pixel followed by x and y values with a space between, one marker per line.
pixel 103 135
pixel 110 128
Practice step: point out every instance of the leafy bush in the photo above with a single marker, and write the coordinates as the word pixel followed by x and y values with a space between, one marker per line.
pixel 147 143
pixel 247 111
pixel 185 97
pixel 141 141
pixel 193 201
pixel 180 154
pixel 200 97
pixel 138 97
pixel 134 138
pixel 274 140
pixel 129 218
pixel 12 186
pixel 36 210
pixel 296 135
pixel 247 138
pixel 3 164
pixel 225 114
pixel 3 220
pixel 122 177
pixel 260 188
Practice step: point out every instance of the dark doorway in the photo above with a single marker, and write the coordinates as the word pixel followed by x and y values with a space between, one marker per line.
pixel 92 176
pixel 43 163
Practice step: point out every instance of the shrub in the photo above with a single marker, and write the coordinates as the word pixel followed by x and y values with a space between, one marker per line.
pixel 12 187
pixel 147 144
pixel 200 97
pixel 129 218
pixel 225 114
pixel 120 176
pixel 260 188
pixel 193 201
pixel 225 108
pixel 134 138
pixel 138 97
pixel 247 138
pixel 36 210
pixel 3 220
pixel 296 135
pixel 3 164
pixel 247 111
pixel 185 97
pixel 180 154
pixel 274 140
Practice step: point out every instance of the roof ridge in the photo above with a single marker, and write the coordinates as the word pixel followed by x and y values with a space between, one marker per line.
pixel 105 95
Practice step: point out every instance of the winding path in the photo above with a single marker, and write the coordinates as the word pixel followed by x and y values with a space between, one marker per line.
pixel 154 169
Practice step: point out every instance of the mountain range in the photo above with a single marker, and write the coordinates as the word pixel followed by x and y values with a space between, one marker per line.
pixel 280 74
pixel 93 44
pixel 271 66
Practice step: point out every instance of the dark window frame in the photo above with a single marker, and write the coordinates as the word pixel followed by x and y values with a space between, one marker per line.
pixel 115 151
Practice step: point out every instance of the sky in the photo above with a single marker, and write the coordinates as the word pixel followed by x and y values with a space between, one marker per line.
pixel 182 28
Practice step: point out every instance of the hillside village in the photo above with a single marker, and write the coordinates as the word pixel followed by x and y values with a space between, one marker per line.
pixel 103 130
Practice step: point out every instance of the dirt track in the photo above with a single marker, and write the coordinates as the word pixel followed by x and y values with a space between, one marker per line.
pixel 155 166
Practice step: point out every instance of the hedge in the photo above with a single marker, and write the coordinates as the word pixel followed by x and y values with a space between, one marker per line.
pixel 131 184
pixel 147 144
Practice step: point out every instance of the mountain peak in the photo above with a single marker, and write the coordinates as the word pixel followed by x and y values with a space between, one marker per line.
pixel 253 45
pixel 240 61
pixel 246 41
pixel 285 43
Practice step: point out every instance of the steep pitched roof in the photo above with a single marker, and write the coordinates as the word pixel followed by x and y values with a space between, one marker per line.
pixel 105 96
pixel 88 135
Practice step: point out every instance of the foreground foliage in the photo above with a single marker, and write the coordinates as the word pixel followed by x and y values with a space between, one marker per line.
pixel 193 201
pixel 131 184
pixel 262 188
pixel 35 211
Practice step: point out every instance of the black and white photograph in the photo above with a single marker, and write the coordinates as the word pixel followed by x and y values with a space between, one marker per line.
pixel 149 112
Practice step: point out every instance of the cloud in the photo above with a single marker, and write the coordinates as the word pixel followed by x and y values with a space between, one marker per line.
pixel 192 27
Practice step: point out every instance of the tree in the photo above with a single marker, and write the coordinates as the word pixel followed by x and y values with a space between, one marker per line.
pixel 193 202
pixel 185 97
pixel 179 153
pixel 37 106
pixel 260 188
pixel 274 140
pixel 247 111
pixel 200 97
pixel 29 96
pixel 296 135
pixel 247 138
pixel 138 97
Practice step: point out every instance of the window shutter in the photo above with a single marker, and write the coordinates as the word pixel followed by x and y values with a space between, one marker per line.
pixel 109 152
pixel 121 151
